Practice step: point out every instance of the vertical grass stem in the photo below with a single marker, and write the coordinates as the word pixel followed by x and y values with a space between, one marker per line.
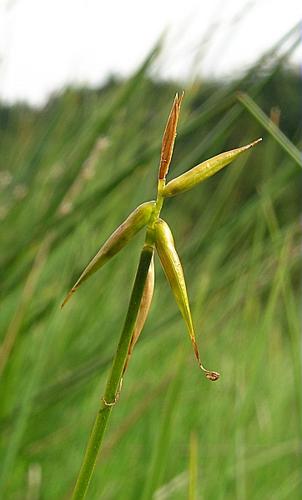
pixel 114 380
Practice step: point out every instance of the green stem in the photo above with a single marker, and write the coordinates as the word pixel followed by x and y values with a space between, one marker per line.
pixel 115 377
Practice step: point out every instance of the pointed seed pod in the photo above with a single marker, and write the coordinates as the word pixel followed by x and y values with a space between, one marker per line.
pixel 169 137
pixel 164 243
pixel 204 170
pixel 143 310
pixel 136 221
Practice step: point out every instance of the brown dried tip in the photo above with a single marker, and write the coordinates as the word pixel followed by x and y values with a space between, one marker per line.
pixel 169 137
pixel 212 376
pixel 209 374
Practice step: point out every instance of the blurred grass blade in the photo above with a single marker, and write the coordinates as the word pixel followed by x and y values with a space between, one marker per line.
pixel 83 148
pixel 159 456
pixel 204 170
pixel 40 346
pixel 172 267
pixel 271 128
pixel 14 327
pixel 134 222
pixel 193 467
pixel 143 310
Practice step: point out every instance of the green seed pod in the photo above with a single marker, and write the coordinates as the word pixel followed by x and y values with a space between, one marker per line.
pixel 204 170
pixel 143 310
pixel 172 267
pixel 136 221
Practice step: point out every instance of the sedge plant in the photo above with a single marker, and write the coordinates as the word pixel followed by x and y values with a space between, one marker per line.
pixel 158 239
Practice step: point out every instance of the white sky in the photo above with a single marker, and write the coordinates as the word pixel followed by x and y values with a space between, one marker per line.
pixel 46 44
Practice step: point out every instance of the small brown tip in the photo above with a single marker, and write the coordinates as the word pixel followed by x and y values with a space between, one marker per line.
pixel 68 296
pixel 212 376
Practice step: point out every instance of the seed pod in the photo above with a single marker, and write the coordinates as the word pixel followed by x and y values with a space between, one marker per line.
pixel 169 137
pixel 143 310
pixel 136 221
pixel 172 267
pixel 204 170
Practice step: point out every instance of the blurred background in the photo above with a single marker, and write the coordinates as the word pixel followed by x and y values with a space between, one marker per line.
pixel 85 91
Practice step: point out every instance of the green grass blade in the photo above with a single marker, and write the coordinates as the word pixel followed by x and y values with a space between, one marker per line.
pixel 159 457
pixel 193 468
pixel 271 128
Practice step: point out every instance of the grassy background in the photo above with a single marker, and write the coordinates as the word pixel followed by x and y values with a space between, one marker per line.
pixel 70 173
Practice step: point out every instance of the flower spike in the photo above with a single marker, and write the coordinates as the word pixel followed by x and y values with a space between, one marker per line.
pixel 159 235
pixel 169 137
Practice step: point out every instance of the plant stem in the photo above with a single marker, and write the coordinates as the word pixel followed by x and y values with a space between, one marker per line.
pixel 115 377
